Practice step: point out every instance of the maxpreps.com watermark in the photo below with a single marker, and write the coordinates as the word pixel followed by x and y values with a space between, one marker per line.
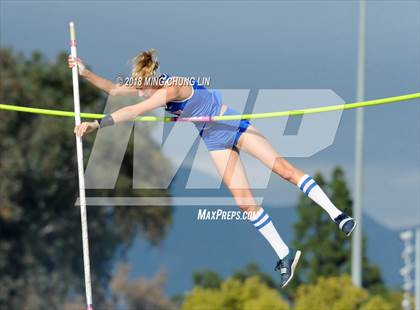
pixel 219 214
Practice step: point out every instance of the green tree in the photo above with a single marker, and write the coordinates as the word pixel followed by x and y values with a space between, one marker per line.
pixel 326 250
pixel 40 236
pixel 252 294
pixel 207 279
pixel 377 303
pixel 211 279
pixel 338 293
pixel 251 270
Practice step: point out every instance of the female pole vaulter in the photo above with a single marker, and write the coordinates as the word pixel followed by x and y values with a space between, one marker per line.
pixel 223 139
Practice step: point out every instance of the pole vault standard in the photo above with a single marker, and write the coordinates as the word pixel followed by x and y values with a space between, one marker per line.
pixel 82 194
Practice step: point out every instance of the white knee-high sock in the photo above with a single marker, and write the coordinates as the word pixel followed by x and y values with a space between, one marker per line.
pixel 262 222
pixel 311 188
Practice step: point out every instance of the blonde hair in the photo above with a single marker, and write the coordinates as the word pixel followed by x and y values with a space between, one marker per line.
pixel 144 65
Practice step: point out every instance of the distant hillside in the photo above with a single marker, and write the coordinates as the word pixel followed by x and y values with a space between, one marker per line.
pixel 224 246
pixel 227 245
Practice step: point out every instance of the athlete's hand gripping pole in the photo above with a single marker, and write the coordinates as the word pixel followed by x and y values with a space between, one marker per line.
pixel 79 147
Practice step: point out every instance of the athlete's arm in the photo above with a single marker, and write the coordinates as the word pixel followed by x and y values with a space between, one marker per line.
pixel 101 83
pixel 129 113
pixel 158 99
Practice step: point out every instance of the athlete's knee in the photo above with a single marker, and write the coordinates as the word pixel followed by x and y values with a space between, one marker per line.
pixel 244 199
pixel 284 169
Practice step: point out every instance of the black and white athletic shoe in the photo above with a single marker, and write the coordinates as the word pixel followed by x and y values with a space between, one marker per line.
pixel 287 266
pixel 345 223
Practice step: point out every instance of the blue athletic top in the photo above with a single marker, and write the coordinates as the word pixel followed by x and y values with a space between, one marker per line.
pixel 201 102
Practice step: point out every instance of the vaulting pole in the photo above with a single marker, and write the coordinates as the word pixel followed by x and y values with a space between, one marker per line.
pixel 82 194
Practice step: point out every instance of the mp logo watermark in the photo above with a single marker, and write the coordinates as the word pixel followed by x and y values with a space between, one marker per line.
pixel 190 175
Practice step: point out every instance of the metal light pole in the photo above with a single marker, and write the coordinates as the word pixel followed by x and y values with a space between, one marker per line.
pixel 356 259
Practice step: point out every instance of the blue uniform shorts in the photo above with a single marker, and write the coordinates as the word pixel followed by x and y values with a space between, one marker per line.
pixel 220 135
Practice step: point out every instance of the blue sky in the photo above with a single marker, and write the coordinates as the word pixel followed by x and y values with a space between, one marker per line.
pixel 257 45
